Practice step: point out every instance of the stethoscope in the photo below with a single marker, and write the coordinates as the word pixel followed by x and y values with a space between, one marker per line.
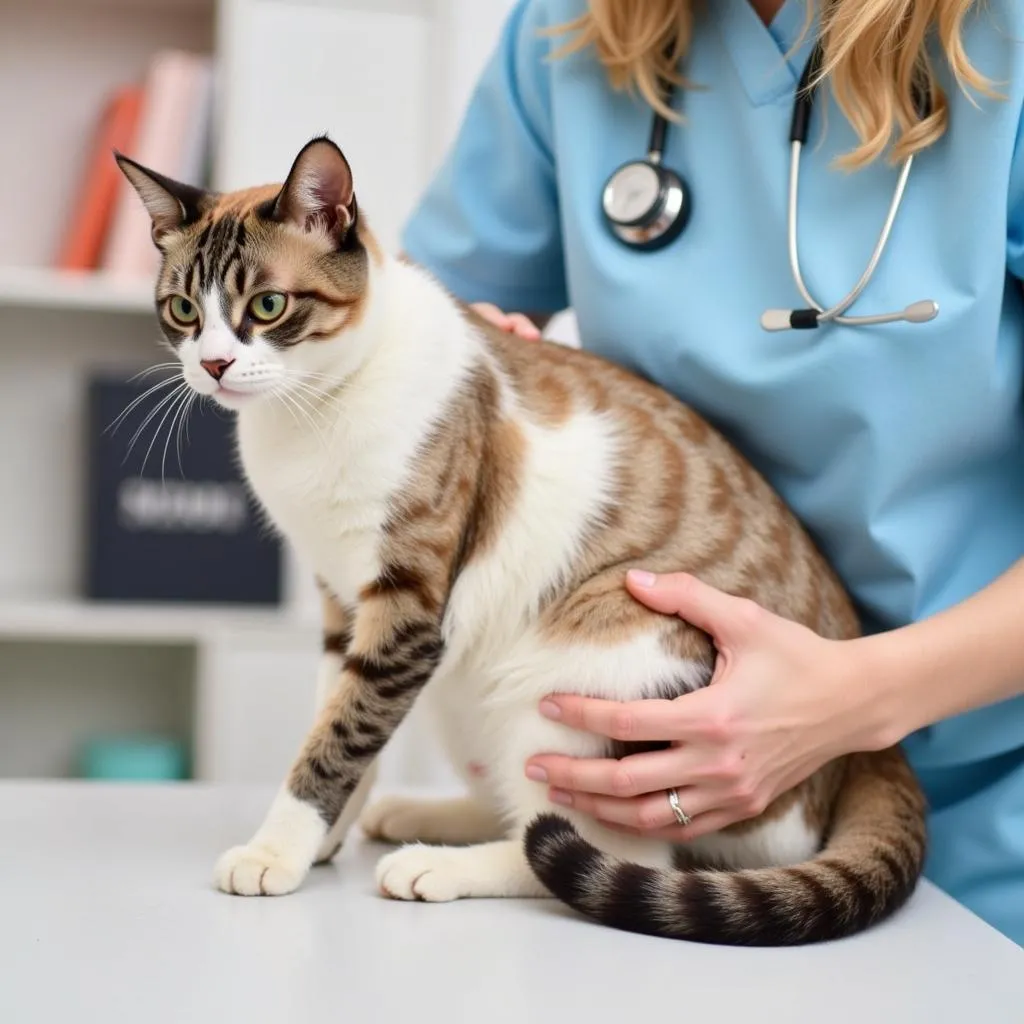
pixel 647 205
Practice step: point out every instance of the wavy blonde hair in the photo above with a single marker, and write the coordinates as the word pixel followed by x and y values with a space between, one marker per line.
pixel 875 53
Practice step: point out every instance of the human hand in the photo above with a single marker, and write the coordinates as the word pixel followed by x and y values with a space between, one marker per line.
pixel 782 702
pixel 514 323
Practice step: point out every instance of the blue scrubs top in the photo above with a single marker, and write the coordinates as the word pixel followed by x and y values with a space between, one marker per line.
pixel 900 446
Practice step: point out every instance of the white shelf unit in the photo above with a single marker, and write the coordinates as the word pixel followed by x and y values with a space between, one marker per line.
pixel 235 685
pixel 43 288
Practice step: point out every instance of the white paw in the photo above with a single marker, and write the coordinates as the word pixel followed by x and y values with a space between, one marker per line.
pixel 395 819
pixel 257 871
pixel 429 873
pixel 327 852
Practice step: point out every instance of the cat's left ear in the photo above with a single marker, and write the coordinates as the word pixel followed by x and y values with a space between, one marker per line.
pixel 171 204
pixel 318 192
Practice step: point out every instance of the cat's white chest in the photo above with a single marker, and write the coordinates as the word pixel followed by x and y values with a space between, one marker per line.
pixel 319 497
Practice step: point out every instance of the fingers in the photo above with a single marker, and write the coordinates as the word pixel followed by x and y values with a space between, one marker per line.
pixel 647 815
pixel 651 719
pixel 514 323
pixel 651 815
pixel 522 326
pixel 722 616
pixel 700 825
pixel 490 312
pixel 631 776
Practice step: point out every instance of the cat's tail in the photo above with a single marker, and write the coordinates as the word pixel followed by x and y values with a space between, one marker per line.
pixel 866 871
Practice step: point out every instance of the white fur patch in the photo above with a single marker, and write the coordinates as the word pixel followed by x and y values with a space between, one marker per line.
pixel 327 484
pixel 567 476
pixel 489 713
pixel 786 840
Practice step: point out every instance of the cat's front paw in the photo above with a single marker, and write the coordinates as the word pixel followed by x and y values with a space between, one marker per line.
pixel 427 873
pixel 257 871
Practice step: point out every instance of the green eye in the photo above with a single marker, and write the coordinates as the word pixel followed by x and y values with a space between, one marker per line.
pixel 183 311
pixel 268 306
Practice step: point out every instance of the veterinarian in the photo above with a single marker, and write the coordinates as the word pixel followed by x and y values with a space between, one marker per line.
pixel 898 439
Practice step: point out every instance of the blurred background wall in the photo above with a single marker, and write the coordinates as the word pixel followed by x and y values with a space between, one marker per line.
pixel 208 675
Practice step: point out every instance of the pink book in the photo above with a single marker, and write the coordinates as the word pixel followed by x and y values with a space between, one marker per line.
pixel 176 96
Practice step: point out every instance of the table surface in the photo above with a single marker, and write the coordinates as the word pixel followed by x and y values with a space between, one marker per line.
pixel 107 915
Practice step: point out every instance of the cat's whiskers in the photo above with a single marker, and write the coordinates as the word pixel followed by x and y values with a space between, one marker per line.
pixel 330 387
pixel 153 412
pixel 115 425
pixel 324 401
pixel 279 393
pixel 291 403
pixel 180 408
pixel 172 409
pixel 155 368
pixel 183 424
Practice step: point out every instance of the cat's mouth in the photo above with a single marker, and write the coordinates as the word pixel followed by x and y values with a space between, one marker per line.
pixel 228 395
pixel 232 397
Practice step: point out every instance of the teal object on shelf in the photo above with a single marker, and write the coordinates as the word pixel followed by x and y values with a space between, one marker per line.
pixel 134 758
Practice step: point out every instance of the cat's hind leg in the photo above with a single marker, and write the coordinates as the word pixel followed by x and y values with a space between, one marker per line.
pixel 648 663
pixel 437 874
pixel 398 819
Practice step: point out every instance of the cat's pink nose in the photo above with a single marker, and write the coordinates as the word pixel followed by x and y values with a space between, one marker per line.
pixel 216 368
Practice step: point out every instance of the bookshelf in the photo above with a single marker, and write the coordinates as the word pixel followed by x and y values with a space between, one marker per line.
pixel 234 685
pixel 43 288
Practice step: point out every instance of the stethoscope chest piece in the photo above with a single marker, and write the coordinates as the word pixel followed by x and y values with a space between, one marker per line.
pixel 646 205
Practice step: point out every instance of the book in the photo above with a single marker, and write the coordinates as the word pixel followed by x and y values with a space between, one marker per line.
pixel 170 517
pixel 91 215
pixel 171 137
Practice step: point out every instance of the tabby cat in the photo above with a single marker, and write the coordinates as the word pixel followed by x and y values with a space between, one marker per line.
pixel 471 504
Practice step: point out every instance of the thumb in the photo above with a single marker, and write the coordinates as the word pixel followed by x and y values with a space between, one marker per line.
pixel 684 595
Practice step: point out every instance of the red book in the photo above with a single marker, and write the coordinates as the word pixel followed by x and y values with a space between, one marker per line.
pixel 94 205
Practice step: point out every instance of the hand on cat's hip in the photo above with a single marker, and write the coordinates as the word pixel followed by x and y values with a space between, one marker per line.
pixel 782 702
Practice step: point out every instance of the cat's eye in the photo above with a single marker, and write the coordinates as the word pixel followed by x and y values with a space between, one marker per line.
pixel 268 306
pixel 183 311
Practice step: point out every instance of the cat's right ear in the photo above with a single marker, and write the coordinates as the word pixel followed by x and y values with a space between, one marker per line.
pixel 171 204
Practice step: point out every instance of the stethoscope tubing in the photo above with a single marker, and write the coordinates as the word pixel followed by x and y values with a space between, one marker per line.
pixel 661 226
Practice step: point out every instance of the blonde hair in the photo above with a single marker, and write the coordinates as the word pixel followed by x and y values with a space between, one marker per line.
pixel 875 54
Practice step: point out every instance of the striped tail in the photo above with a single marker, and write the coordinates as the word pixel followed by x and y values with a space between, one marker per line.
pixel 867 870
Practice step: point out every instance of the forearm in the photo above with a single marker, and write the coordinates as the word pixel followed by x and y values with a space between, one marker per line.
pixel 966 657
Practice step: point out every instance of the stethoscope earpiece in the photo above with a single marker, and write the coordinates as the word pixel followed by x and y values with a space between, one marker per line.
pixel 647 205
pixel 804 319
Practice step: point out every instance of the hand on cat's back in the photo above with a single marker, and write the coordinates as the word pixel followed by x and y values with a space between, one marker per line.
pixel 782 702
pixel 515 323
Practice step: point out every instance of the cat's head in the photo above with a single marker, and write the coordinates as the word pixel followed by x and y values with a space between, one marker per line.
pixel 257 289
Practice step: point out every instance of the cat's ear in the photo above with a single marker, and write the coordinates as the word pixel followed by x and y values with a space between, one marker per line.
pixel 318 193
pixel 171 205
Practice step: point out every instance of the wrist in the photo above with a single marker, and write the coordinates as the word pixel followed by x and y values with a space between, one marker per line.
pixel 889 666
pixel 867 712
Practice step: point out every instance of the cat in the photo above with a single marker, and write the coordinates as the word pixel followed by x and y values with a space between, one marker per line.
pixel 471 504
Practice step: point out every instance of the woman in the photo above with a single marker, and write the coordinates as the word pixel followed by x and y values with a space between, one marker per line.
pixel 900 445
